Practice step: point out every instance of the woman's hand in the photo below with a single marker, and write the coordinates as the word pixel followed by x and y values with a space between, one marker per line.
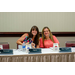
pixel 33 45
pixel 27 43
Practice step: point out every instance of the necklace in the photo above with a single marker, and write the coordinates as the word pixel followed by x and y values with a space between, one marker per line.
pixel 47 39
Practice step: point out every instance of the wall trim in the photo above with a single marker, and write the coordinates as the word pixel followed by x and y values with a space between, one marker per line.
pixel 18 34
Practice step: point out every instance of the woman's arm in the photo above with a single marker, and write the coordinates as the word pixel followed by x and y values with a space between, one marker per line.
pixel 38 46
pixel 20 40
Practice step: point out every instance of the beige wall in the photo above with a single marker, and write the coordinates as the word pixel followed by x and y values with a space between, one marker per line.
pixel 23 21
pixel 12 41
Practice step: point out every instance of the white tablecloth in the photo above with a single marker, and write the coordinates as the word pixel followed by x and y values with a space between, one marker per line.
pixel 43 51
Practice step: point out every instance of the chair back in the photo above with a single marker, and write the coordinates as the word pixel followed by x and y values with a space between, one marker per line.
pixel 70 44
pixel 4 45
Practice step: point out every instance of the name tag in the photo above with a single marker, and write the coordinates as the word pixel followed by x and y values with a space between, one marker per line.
pixel 1 46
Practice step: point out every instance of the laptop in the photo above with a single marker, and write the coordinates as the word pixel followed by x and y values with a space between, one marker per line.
pixel 6 51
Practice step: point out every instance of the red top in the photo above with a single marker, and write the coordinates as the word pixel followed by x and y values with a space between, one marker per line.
pixel 48 43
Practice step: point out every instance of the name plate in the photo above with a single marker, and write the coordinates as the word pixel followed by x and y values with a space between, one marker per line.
pixel 35 51
pixel 6 51
pixel 65 49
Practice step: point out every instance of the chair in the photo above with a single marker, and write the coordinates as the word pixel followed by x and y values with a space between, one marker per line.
pixel 5 45
pixel 70 44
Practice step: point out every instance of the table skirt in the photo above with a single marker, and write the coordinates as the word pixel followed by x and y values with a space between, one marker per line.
pixel 51 57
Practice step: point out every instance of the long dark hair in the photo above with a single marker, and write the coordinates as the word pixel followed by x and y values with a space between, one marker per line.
pixel 36 39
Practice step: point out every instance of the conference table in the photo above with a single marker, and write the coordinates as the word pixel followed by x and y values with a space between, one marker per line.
pixel 47 55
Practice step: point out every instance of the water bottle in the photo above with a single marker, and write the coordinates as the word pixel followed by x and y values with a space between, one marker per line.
pixel 23 46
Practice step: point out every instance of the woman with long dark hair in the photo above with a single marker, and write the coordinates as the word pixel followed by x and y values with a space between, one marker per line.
pixel 34 34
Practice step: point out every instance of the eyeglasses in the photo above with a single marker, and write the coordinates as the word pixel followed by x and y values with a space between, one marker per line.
pixel 46 31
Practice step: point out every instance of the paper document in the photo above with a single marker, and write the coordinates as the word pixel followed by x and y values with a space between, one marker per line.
pixel 19 52
pixel 1 46
pixel 48 50
pixel 73 49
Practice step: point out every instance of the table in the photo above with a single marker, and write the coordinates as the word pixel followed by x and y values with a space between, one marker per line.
pixel 47 56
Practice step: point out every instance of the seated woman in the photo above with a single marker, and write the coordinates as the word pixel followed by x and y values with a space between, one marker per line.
pixel 34 34
pixel 47 39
